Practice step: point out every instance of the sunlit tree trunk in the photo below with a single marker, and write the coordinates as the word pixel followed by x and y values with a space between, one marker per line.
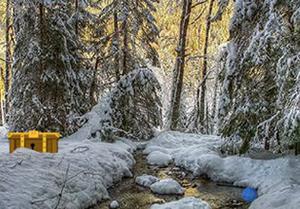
pixel 179 65
pixel 116 45
pixel 1 105
pixel 124 65
pixel 8 53
pixel 204 68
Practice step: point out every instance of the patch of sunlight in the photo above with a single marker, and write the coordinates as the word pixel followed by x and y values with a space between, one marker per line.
pixel 162 174
pixel 191 192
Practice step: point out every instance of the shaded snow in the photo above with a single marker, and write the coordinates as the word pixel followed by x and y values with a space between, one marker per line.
pixel 167 186
pixel 185 203
pixel 3 133
pixel 76 177
pixel 146 180
pixel 4 145
pixel 276 180
pixel 158 158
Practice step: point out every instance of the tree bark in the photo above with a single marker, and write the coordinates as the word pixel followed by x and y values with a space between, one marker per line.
pixel 116 44
pixel 201 101
pixel 8 54
pixel 76 22
pixel 179 66
pixel 124 65
pixel 297 148
pixel 93 90
pixel 2 109
pixel 214 107
pixel 41 62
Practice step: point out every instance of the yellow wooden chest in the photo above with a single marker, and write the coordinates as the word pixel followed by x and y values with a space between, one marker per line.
pixel 35 140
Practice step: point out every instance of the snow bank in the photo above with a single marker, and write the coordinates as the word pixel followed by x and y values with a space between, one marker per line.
pixel 3 133
pixel 186 203
pixel 276 180
pixel 4 145
pixel 146 180
pixel 160 159
pixel 76 177
pixel 167 186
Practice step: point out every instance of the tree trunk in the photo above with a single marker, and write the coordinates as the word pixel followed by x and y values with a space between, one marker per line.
pixel 2 109
pixel 204 69
pixel 124 65
pixel 8 54
pixel 179 65
pixel 41 95
pixel 297 148
pixel 76 21
pixel 116 44
pixel 93 90
pixel 214 107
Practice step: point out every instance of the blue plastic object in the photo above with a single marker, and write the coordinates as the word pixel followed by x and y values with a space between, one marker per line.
pixel 249 194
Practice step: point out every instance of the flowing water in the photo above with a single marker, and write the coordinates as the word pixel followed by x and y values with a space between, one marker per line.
pixel 131 196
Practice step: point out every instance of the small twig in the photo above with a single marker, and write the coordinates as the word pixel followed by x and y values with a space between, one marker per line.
pixel 4 60
pixel 18 163
pixel 198 17
pixel 80 149
pixel 199 3
pixel 224 184
pixel 63 186
pixel 60 162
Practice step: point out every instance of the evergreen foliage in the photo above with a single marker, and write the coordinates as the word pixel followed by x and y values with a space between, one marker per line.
pixel 133 36
pixel 50 80
pixel 131 109
pixel 259 104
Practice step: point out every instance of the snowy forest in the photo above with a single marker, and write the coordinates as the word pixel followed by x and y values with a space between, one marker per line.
pixel 159 104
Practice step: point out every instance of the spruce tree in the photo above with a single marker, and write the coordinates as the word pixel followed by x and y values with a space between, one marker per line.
pixel 133 36
pixel 50 80
pixel 259 104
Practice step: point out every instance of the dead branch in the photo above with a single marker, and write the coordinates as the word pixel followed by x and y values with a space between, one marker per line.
pixel 63 187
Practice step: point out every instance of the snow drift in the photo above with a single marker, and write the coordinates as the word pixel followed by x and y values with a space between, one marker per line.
pixel 186 203
pixel 76 177
pixel 276 180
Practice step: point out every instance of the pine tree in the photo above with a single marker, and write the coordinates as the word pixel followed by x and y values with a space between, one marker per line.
pixel 50 80
pixel 259 103
pixel 133 37
pixel 131 109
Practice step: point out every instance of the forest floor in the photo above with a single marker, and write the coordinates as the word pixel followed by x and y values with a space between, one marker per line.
pixel 132 196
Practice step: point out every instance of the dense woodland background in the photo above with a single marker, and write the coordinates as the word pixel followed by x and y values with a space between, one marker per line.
pixel 215 67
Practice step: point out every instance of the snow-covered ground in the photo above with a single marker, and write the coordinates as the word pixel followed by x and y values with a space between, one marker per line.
pixel 160 159
pixel 167 186
pixel 76 177
pixel 277 180
pixel 4 145
pixel 185 203
pixel 146 180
